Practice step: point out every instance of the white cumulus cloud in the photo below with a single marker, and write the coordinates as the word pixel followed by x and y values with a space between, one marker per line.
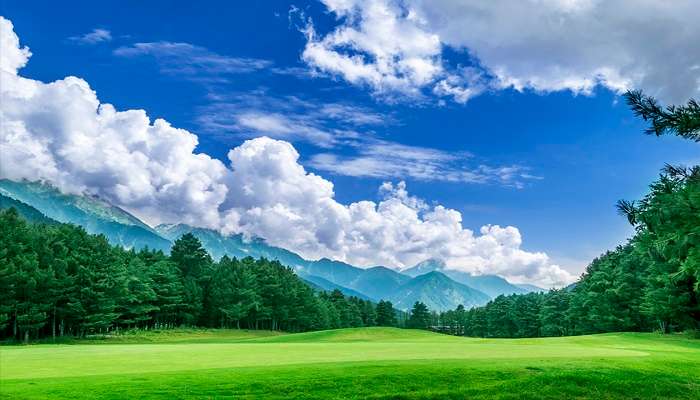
pixel 59 132
pixel 541 45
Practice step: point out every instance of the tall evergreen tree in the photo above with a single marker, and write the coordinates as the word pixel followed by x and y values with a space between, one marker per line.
pixel 140 301
pixel 195 266
pixel 169 292
pixel 420 316
pixel 386 314
pixel 553 313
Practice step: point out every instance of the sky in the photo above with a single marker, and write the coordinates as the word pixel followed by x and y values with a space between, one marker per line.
pixel 491 134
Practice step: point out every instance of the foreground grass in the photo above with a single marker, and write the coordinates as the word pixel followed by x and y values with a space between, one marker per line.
pixel 357 363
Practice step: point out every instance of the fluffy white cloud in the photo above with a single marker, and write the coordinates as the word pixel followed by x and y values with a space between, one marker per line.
pixel 543 45
pixel 59 132
pixel 384 45
pixel 14 56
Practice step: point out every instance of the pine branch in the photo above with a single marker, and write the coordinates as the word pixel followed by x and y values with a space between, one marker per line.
pixel 683 121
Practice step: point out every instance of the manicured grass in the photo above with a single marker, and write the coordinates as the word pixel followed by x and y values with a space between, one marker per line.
pixel 379 363
pixel 192 335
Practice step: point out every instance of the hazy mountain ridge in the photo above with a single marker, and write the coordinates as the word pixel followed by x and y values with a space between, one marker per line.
pixel 28 212
pixel 530 288
pixel 492 285
pixel 324 284
pixel 438 291
pixel 94 215
pixel 429 281
pixel 325 273
pixel 379 282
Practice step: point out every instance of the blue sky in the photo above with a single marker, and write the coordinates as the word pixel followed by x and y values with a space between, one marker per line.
pixel 550 162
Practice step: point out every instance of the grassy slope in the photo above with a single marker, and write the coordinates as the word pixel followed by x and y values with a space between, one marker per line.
pixel 357 363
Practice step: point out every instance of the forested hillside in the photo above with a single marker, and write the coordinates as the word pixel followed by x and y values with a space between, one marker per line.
pixel 651 283
pixel 56 279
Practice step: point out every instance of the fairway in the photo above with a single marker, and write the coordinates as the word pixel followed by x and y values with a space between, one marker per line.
pixel 354 363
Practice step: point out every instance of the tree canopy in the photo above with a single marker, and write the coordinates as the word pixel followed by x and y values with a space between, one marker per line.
pixel 55 279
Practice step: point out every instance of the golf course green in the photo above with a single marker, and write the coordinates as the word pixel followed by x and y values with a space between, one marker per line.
pixel 377 363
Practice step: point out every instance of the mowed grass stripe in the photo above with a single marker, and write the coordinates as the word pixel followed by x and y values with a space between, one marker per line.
pixel 356 363
pixel 339 346
pixel 96 360
pixel 427 379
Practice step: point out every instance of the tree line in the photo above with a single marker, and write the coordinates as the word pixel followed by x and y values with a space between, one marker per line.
pixel 652 283
pixel 58 280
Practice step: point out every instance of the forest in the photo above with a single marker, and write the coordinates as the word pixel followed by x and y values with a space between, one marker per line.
pixel 651 283
pixel 57 280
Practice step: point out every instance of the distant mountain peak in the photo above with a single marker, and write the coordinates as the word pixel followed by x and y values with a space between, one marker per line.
pixel 438 291
pixel 434 261
pixel 425 266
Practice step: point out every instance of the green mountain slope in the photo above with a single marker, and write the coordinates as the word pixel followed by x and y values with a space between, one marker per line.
pixel 530 288
pixel 238 246
pixel 28 212
pixel 492 285
pixel 335 271
pixel 438 292
pixel 326 285
pixel 93 214
pixel 378 282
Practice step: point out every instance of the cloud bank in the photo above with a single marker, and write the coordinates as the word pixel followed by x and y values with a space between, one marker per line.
pixel 60 132
pixel 397 46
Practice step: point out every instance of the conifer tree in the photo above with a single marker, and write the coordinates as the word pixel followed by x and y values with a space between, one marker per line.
pixel 386 314
pixel 420 316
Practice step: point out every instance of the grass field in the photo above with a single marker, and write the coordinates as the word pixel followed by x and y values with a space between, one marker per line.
pixel 377 363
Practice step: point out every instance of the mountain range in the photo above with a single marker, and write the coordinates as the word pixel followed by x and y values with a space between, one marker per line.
pixel 492 285
pixel 430 281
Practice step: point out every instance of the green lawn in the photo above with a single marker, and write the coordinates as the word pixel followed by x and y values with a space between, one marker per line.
pixel 378 363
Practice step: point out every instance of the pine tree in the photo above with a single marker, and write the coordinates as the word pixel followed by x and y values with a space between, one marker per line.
pixel 139 302
pixel 683 121
pixel 420 316
pixel 234 293
pixel 553 313
pixel 13 239
pixel 195 266
pixel 169 292
pixel 386 314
